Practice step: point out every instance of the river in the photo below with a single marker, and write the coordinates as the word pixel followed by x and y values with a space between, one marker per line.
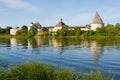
pixel 80 55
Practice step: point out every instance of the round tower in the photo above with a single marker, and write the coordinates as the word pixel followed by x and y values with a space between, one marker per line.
pixel 97 22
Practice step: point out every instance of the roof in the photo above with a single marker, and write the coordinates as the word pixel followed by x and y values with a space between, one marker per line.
pixel 97 19
pixel 61 23
pixel 37 25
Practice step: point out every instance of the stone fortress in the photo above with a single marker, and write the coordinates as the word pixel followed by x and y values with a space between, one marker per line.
pixel 96 22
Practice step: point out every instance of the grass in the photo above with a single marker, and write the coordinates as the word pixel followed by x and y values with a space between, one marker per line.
pixel 39 71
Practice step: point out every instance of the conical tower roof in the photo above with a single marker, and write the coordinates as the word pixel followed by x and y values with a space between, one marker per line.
pixel 97 19
pixel 60 24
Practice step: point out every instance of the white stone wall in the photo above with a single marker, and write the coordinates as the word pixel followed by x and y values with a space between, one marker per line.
pixel 29 28
pixel 13 31
pixel 50 29
pixel 85 29
pixel 95 26
pixel 55 29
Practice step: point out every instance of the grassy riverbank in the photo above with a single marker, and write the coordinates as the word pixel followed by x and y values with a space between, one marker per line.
pixel 39 71
pixel 82 37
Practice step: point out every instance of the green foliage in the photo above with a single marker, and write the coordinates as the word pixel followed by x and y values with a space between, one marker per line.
pixel 39 71
pixel 3 73
pixel 77 31
pixel 2 31
pixel 89 33
pixel 62 32
pixel 109 30
pixel 23 31
pixel 101 31
pixel 65 32
pixel 5 30
pixel 32 32
pixel 71 32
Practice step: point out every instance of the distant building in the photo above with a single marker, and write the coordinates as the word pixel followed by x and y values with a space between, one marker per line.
pixel 59 26
pixel 37 25
pixel 13 31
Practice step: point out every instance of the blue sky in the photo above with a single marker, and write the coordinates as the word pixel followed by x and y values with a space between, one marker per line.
pixel 48 12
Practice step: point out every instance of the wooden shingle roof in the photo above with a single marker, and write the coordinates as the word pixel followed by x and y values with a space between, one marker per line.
pixel 60 24
pixel 97 19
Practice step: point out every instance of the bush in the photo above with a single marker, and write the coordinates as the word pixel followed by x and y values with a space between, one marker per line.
pixel 39 71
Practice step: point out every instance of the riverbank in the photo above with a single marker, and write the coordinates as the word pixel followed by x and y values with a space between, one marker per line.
pixel 39 71
pixel 94 37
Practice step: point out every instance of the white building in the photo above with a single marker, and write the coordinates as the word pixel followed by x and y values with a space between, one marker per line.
pixel 13 31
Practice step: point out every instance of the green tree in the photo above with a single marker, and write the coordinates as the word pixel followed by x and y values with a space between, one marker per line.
pixel 77 31
pixel 2 30
pixel 64 31
pixel 32 32
pixel 117 26
pixel 110 29
pixel 23 31
pixel 101 31
pixel 7 30
pixel 71 32
pixel 89 33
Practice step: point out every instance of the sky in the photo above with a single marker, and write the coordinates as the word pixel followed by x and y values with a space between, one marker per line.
pixel 49 12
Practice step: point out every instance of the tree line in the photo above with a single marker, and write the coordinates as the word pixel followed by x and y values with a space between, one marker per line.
pixel 5 30
pixel 108 30
pixel 25 32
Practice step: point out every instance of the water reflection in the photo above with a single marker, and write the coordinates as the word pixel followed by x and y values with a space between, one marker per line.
pixel 60 44
pixel 67 52
pixel 34 44
pixel 96 50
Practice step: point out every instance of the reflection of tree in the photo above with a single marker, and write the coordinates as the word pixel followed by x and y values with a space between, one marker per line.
pixel 61 50
pixel 5 41
pixel 24 42
pixel 32 43
pixel 36 43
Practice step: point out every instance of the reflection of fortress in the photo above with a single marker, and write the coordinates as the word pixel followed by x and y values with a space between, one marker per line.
pixel 13 41
pixel 95 49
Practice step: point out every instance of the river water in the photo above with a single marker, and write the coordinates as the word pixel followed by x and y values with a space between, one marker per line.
pixel 80 55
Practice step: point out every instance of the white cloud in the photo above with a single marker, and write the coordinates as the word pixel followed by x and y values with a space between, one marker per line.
pixel 21 4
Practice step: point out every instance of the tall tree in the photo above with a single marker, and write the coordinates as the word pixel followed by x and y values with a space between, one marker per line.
pixel 32 31
pixel 77 31
pixel 7 30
